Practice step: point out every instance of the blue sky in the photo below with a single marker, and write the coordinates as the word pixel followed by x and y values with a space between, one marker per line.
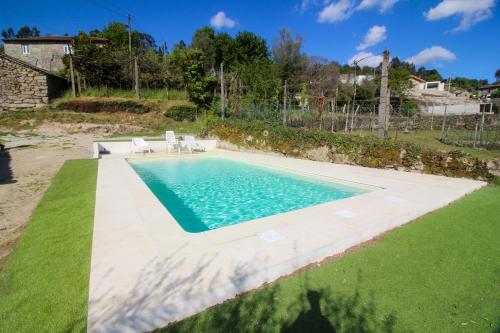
pixel 459 37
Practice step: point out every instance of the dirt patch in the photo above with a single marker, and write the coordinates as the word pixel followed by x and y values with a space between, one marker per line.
pixel 31 159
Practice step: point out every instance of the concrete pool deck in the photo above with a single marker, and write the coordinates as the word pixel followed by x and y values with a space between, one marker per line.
pixel 146 271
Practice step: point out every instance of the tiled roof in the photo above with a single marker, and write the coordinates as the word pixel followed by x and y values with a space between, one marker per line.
pixel 67 39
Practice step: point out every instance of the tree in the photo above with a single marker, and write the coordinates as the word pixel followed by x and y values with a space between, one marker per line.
pixel 260 80
pixel 204 40
pixel 497 75
pixel 248 47
pixel 100 66
pixel 399 82
pixel 9 33
pixel 26 32
pixel 224 50
pixel 321 76
pixel 286 53
pixel 198 85
pixel 429 74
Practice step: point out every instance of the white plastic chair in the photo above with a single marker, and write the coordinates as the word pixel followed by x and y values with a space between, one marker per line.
pixel 172 142
pixel 192 145
pixel 138 144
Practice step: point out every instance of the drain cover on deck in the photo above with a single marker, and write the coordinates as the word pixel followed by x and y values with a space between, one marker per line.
pixel 270 235
pixel 345 213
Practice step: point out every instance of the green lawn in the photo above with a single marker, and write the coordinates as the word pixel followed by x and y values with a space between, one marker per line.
pixel 44 285
pixel 438 274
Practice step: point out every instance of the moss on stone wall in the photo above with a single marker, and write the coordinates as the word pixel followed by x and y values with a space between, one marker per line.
pixel 332 147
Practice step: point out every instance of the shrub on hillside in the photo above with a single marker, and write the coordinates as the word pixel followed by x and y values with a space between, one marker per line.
pixel 365 151
pixel 104 105
pixel 181 112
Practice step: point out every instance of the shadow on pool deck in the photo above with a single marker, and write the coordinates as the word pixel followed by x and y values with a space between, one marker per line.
pixel 153 301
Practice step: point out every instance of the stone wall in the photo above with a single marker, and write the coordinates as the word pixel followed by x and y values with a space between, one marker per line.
pixel 23 87
pixel 44 55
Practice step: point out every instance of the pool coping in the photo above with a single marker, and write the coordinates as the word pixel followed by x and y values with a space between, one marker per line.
pixel 146 271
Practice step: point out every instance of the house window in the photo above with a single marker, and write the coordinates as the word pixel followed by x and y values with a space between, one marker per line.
pixel 67 49
pixel 433 85
pixel 25 49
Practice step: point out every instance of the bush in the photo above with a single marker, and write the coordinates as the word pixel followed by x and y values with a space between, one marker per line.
pixel 365 151
pixel 410 108
pixel 104 105
pixel 181 112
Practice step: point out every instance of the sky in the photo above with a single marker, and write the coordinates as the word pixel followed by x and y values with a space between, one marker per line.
pixel 458 37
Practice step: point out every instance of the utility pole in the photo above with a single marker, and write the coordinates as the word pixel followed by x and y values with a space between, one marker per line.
pixel 136 77
pixel 72 72
pixel 284 104
pixel 383 104
pixel 222 90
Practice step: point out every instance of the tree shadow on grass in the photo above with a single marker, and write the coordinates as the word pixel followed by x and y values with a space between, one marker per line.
pixel 314 310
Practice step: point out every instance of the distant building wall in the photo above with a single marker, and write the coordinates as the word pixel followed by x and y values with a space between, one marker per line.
pixel 25 87
pixel 455 109
pixel 41 54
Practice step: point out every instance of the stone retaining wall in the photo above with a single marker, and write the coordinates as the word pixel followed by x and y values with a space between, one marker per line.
pixel 25 87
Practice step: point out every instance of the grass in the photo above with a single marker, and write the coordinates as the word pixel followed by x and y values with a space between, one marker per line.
pixel 438 274
pixel 144 93
pixel 430 140
pixel 152 123
pixel 44 285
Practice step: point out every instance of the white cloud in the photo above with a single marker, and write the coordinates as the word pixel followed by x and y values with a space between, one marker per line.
pixel 370 59
pixel 336 11
pixel 375 35
pixel 382 5
pixel 220 20
pixel 304 5
pixel 434 55
pixel 471 11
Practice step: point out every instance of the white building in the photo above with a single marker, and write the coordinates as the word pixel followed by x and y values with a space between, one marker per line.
pixel 421 84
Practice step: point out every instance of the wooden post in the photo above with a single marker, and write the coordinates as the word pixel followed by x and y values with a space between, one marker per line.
pixel 444 122
pixel 334 108
pixel 475 134
pixel 432 117
pixel 222 90
pixel 284 104
pixel 136 77
pixel 352 117
pixel 370 125
pixel 383 107
pixel 72 72
pixel 79 83
pixel 347 117
pixel 481 128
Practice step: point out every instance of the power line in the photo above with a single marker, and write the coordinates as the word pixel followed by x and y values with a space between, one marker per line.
pixel 106 7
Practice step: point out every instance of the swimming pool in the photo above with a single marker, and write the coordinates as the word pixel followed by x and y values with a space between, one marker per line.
pixel 209 193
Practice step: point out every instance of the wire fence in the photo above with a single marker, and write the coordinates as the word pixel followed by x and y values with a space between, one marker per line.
pixel 478 130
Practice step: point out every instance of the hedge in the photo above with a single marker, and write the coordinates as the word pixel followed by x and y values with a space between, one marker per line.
pixel 104 105
pixel 364 151
pixel 181 112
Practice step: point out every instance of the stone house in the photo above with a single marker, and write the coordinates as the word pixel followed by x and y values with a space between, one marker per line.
pixel 44 52
pixel 25 86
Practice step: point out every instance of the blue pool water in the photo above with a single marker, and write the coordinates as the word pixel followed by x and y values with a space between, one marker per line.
pixel 210 193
